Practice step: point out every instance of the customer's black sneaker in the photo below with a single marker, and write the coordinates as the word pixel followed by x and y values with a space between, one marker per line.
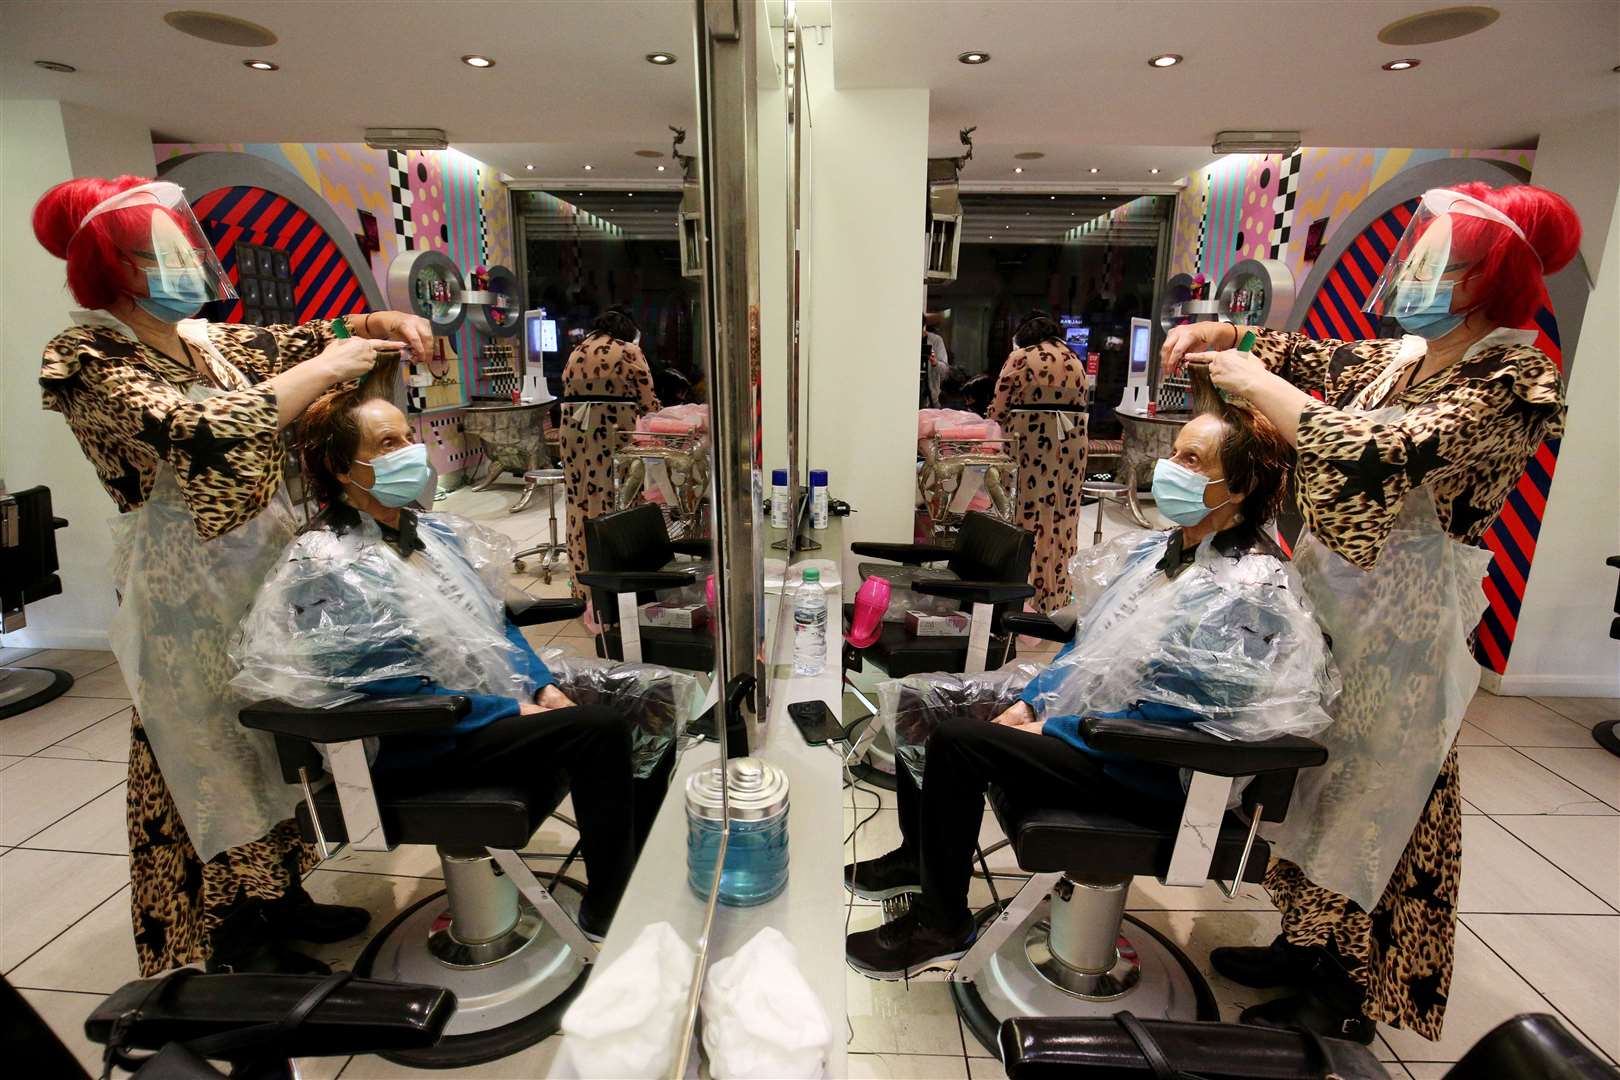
pixel 885 876
pixel 1263 967
pixel 1313 1012
pixel 906 947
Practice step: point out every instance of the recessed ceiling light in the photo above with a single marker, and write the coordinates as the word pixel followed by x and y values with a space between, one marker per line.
pixel 1164 60
pixel 1006 226
pixel 1052 197
pixel 1095 170
pixel 588 168
pixel 530 167
pixel 662 59
pixel 660 168
pixel 1018 168
pixel 474 60
pixel 221 29
pixel 1401 65
pixel 261 65
pixel 974 58
pixel 629 194
pixel 1154 171
pixel 56 65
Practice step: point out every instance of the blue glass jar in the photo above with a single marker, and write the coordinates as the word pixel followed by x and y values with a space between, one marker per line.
pixel 756 866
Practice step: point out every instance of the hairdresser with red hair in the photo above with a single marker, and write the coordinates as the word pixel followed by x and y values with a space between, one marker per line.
pixel 1402 465
pixel 181 419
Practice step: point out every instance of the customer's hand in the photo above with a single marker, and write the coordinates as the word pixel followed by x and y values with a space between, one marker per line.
pixel 553 698
pixel 1193 337
pixel 347 359
pixel 1019 716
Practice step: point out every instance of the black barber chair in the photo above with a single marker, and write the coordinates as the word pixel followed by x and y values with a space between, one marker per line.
pixel 27 575
pixel 495 936
pixel 990 562
pixel 256 1024
pixel 630 554
pixel 1037 1048
pixel 1063 946
pixel 1605 732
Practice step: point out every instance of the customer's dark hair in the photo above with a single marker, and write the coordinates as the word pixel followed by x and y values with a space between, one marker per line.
pixel 1256 461
pixel 1035 327
pixel 616 323
pixel 328 435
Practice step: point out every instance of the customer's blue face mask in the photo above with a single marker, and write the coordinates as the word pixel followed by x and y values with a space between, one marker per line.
pixel 1178 492
pixel 399 477
pixel 1430 319
pixel 175 294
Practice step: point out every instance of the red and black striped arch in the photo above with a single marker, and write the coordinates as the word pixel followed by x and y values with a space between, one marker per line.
pixel 1336 312
pixel 324 284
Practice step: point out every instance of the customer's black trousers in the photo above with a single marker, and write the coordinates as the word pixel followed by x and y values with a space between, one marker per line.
pixel 941 822
pixel 591 746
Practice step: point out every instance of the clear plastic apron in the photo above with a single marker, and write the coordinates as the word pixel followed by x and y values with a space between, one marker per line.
pixel 181 599
pixel 1400 639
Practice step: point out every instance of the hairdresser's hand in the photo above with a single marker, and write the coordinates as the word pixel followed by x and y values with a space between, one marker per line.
pixel 1232 371
pixel 553 698
pixel 347 359
pixel 412 331
pixel 1193 337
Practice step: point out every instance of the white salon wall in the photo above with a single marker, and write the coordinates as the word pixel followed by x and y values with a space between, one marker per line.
pixel 865 295
pixel 41 144
pixel 1562 645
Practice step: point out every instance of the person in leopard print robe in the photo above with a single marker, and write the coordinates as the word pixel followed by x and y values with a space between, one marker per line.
pixel 120 380
pixel 1040 373
pixel 608 365
pixel 1478 402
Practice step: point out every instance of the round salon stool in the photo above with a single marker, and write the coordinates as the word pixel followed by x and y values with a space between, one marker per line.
pixel 1103 491
pixel 547 481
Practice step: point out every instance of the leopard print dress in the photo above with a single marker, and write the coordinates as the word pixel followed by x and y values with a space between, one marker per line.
pixel 1466 435
pixel 600 367
pixel 1051 459
pixel 128 407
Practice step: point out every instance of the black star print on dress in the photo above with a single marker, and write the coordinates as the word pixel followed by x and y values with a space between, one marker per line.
pixel 1465 515
pixel 127 486
pixel 1422 458
pixel 207 451
pixel 1365 475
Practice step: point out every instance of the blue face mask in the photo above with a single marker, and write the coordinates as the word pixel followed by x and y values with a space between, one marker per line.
pixel 1178 492
pixel 399 477
pixel 178 295
pixel 1431 319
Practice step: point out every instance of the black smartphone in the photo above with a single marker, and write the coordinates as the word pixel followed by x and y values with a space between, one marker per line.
pixel 815 722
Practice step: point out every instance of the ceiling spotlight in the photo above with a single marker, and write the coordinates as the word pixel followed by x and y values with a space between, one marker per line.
pixel 1052 197
pixel 1018 168
pixel 261 65
pixel 474 60
pixel 530 167
pixel 660 168
pixel 1095 170
pixel 1164 60
pixel 55 65
pixel 1154 171
pixel 974 58
pixel 1006 226
pixel 662 59
pixel 1401 65
pixel 588 168
pixel 629 194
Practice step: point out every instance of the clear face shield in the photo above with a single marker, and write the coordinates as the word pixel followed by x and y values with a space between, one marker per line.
pixel 162 237
pixel 1447 237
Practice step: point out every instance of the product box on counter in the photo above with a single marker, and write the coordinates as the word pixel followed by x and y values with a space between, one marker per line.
pixel 673 616
pixel 930 624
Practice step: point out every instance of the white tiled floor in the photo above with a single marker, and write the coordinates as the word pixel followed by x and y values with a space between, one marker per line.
pixel 1540 920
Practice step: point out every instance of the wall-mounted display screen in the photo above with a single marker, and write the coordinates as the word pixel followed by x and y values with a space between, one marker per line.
pixel 1076 334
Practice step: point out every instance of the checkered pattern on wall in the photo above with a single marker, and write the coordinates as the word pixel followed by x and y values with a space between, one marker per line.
pixel 401 200
pixel 1282 221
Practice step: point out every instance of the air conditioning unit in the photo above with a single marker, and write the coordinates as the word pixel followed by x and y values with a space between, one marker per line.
pixel 406 139
pixel 1256 142
pixel 690 214
pixel 943 238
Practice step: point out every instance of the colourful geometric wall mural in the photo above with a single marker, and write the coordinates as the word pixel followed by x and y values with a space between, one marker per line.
pixel 440 200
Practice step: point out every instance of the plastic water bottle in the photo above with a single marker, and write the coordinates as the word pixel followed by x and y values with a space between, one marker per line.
pixel 810 625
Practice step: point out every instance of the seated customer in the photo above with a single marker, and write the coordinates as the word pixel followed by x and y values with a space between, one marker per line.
pixel 1196 625
pixel 376 598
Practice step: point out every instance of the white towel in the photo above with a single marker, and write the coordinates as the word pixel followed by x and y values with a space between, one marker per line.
pixel 626 1021
pixel 761 1020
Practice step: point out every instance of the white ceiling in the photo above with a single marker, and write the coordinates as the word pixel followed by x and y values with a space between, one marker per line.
pixel 570 84
pixel 1068 78
pixel 1074 74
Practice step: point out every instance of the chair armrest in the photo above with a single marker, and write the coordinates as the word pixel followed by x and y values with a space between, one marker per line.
pixel 1189 748
pixel 537 612
pixel 697 548
pixel 633 581
pixel 910 554
pixel 976 592
pixel 1032 625
pixel 59 522
pixel 358 719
